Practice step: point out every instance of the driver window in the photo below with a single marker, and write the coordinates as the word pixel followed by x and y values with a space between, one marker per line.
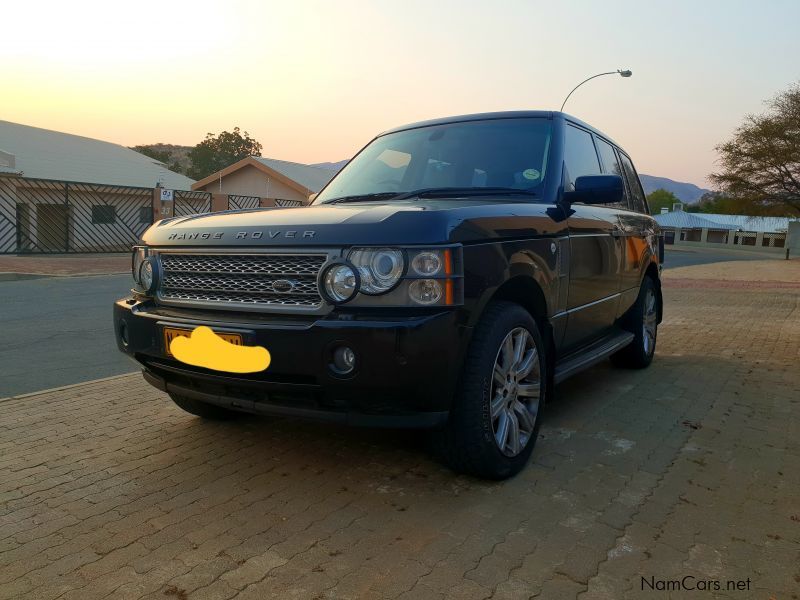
pixel 580 156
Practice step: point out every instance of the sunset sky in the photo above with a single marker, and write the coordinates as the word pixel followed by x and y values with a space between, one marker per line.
pixel 313 81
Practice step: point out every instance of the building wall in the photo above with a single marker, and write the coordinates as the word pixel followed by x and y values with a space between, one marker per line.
pixel 249 181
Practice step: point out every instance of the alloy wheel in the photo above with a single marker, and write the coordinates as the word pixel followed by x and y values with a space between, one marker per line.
pixel 515 391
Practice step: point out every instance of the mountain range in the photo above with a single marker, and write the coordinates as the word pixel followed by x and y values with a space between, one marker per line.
pixel 685 192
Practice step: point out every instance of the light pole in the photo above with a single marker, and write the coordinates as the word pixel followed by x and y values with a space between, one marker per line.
pixel 625 73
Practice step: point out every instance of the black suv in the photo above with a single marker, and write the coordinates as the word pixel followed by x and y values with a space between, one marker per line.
pixel 448 277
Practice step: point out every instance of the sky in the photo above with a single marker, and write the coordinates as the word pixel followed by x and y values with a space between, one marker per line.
pixel 314 81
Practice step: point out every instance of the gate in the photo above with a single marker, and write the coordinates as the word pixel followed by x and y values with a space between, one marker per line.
pixel 236 202
pixel 46 216
pixel 191 203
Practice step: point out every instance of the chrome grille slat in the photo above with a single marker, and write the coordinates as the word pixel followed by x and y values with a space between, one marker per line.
pixel 231 280
pixel 253 284
pixel 267 264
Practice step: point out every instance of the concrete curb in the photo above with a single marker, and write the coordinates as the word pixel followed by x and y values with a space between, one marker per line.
pixel 68 387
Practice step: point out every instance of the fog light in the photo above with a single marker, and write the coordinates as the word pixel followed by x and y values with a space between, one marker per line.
pixel 340 283
pixel 148 275
pixel 344 359
pixel 123 333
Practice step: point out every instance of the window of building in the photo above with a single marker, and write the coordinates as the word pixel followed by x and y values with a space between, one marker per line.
pixel 103 214
pixel 145 214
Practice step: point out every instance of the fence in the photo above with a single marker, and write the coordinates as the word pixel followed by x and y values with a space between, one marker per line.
pixel 287 203
pixel 236 202
pixel 191 203
pixel 44 216
pixel 48 216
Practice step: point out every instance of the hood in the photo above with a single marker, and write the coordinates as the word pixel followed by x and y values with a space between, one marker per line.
pixel 368 223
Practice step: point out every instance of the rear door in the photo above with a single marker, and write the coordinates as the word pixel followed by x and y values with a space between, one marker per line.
pixel 595 253
pixel 639 233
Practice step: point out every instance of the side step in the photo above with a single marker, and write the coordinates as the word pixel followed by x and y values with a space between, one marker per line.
pixel 592 355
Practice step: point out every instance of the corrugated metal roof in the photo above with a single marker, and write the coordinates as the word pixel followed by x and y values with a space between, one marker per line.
pixel 47 154
pixel 312 178
pixel 685 220
pixel 747 223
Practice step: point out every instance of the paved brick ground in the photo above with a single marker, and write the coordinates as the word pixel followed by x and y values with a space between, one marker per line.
pixel 689 468
pixel 66 264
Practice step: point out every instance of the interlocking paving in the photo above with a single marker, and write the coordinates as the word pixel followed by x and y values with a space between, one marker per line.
pixel 689 469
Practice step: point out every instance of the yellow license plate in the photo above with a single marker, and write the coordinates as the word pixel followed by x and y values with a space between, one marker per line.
pixel 170 333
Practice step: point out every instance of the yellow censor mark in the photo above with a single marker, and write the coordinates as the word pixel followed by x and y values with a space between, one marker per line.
pixel 204 348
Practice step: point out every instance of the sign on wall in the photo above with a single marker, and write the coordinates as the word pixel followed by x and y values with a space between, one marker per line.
pixel 167 195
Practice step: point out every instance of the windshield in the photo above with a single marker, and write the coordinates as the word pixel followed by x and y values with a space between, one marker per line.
pixel 497 153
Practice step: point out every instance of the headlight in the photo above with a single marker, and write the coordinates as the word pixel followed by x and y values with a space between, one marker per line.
pixel 427 264
pixel 139 254
pixel 425 291
pixel 339 282
pixel 380 268
pixel 395 277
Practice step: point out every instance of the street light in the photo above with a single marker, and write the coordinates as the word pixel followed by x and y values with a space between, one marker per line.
pixel 625 73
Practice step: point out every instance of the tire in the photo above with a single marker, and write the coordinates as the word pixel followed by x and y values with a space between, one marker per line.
pixel 203 409
pixel 470 442
pixel 642 321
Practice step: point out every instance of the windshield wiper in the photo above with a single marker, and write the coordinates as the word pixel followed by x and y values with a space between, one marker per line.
pixel 433 193
pixel 360 198
pixel 463 191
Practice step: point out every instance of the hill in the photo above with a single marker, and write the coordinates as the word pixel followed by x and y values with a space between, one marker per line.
pixel 685 192
pixel 175 157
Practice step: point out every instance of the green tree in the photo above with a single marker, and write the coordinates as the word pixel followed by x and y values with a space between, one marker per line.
pixel 661 198
pixel 760 164
pixel 217 152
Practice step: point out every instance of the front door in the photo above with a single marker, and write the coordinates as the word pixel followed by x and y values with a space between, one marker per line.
pixel 596 258
pixel 596 251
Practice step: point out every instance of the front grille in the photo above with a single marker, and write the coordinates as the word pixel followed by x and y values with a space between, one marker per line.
pixel 232 280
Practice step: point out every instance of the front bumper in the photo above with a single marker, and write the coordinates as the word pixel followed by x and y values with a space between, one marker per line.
pixel 407 366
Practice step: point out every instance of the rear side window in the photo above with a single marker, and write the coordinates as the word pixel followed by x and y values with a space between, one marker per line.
pixel 638 200
pixel 611 166
pixel 580 157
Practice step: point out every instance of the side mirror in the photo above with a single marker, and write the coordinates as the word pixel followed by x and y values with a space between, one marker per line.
pixel 597 189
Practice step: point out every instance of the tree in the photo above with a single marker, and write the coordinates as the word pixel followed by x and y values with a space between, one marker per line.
pixel 661 198
pixel 217 152
pixel 760 164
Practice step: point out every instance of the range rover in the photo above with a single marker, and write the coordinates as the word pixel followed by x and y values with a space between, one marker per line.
pixel 447 278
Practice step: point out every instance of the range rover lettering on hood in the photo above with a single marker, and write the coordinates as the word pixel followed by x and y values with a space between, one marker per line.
pixel 243 235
